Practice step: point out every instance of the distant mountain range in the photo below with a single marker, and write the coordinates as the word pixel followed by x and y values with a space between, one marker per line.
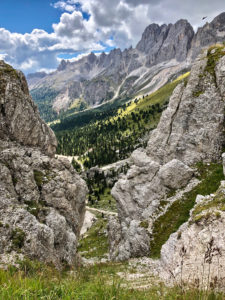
pixel 162 53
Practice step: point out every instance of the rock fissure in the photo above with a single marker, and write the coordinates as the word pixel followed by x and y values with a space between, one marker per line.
pixel 173 118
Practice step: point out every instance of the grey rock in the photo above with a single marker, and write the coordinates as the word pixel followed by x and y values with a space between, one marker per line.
pixel 42 199
pixel 19 117
pixel 162 43
pixel 195 253
pixel 175 174
pixel 190 130
pixel 209 34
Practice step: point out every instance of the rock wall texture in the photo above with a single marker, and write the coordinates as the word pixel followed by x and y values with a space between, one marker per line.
pixel 42 199
pixel 19 117
pixel 190 130
pixel 195 254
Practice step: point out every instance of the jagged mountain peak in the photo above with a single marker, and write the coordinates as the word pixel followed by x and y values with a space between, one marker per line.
pixel 91 57
pixel 172 47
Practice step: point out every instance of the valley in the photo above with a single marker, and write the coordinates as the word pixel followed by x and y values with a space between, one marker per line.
pixel 121 195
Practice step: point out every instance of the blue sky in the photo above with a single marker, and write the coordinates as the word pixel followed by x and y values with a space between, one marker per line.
pixel 36 34
pixel 24 15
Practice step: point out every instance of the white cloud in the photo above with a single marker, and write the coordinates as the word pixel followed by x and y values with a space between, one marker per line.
pixel 69 25
pixel 118 23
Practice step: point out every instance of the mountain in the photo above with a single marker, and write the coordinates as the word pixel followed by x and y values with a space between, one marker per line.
pixel 42 199
pixel 162 52
pixel 171 201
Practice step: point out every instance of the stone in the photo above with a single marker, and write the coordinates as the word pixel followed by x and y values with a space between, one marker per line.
pixel 20 120
pixel 42 199
pixel 190 130
pixel 175 174
pixel 195 253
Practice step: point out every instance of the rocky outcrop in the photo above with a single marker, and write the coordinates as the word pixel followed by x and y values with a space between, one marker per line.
pixel 19 117
pixel 195 254
pixel 190 130
pixel 42 199
pixel 166 42
pixel 139 197
pixel 162 52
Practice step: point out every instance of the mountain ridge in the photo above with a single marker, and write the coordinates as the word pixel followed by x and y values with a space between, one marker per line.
pixel 162 52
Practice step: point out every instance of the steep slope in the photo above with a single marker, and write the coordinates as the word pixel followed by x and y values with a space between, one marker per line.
pixel 163 51
pixel 42 199
pixel 190 130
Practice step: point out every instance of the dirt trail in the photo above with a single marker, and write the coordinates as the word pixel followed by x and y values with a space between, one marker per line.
pixel 106 212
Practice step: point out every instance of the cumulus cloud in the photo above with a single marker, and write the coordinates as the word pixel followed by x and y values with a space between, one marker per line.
pixel 90 25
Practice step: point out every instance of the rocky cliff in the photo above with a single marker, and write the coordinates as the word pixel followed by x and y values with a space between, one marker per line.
pixel 42 199
pixel 195 254
pixel 162 52
pixel 191 130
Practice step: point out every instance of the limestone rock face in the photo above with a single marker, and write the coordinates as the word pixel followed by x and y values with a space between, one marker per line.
pixel 190 130
pixel 139 197
pixel 164 42
pixel 195 253
pixel 42 199
pixel 19 117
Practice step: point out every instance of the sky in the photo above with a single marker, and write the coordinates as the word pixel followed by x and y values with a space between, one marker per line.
pixel 36 34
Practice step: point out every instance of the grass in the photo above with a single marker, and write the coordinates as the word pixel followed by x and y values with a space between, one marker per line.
pixel 96 242
pixel 159 97
pixel 100 282
pixel 106 202
pixel 39 178
pixel 17 237
pixel 214 53
pixel 178 212
pixel 217 202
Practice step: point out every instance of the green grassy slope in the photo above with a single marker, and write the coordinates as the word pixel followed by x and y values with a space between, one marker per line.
pixel 100 282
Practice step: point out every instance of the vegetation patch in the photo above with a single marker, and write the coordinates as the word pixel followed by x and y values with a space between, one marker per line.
pixel 217 201
pixel 214 53
pixel 99 282
pixel 96 242
pixel 178 212
pixel 196 94
pixel 39 178
pixel 34 207
pixel 18 237
pixel 144 224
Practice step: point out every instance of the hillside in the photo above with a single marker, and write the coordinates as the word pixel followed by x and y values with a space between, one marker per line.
pixel 163 52
pixel 110 133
